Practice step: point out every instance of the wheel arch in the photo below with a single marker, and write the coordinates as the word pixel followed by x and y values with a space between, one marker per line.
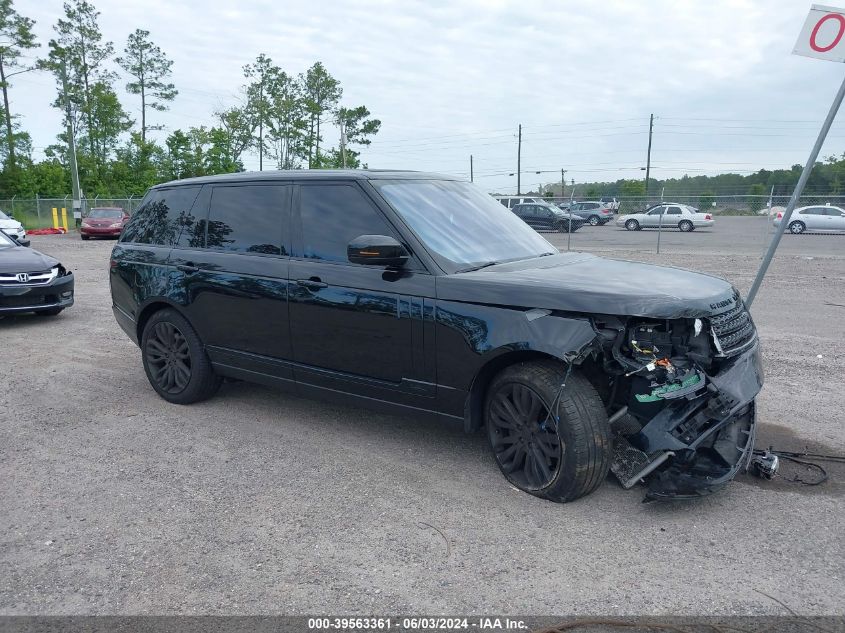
pixel 149 309
pixel 474 407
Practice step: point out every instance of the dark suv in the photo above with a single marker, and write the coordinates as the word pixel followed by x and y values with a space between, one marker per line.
pixel 417 293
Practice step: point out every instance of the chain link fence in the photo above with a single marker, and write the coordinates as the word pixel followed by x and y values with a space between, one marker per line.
pixel 718 205
pixel 37 213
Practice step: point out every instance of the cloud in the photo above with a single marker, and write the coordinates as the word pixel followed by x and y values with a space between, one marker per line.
pixel 450 79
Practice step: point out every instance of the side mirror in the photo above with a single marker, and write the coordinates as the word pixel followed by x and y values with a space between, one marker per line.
pixel 377 250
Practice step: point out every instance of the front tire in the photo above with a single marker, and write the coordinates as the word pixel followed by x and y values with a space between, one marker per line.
pixel 175 360
pixel 557 459
pixel 84 237
pixel 632 225
pixel 686 226
pixel 796 228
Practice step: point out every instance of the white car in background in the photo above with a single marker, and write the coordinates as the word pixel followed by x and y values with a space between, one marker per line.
pixel 669 216
pixel 813 218
pixel 12 227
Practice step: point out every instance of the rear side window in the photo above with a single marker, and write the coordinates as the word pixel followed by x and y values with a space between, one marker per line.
pixel 334 215
pixel 674 211
pixel 163 217
pixel 247 219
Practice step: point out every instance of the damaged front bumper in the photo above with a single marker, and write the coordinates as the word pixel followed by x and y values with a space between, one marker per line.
pixel 699 441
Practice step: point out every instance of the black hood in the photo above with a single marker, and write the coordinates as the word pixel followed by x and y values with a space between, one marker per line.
pixel 578 282
pixel 20 259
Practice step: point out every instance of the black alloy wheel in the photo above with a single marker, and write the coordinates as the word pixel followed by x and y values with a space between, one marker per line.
pixel 175 359
pixel 168 357
pixel 559 457
pixel 525 442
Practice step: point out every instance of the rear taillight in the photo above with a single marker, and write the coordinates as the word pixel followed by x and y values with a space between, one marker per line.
pixel 707 216
pixel 780 215
pixel 112 263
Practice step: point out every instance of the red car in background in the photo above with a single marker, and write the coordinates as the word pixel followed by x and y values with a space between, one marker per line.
pixel 103 222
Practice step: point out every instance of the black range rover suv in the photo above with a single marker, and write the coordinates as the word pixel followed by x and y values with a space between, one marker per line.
pixel 418 293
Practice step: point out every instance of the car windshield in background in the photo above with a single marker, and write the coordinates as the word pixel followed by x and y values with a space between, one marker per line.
pixel 105 213
pixel 461 225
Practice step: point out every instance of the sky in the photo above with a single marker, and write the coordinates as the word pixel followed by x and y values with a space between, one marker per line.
pixel 453 79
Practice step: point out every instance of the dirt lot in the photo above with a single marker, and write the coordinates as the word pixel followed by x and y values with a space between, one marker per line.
pixel 114 501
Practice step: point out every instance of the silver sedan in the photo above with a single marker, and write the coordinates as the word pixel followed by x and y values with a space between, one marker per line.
pixel 669 216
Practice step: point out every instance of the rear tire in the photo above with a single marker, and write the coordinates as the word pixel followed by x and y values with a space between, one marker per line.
pixel 84 237
pixel 175 360
pixel 796 228
pixel 594 220
pixel 632 225
pixel 686 226
pixel 560 461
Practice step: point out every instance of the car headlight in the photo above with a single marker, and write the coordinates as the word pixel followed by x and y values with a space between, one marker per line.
pixel 116 225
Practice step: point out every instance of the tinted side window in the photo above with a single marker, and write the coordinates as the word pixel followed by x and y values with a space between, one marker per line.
pixel 247 219
pixel 334 215
pixel 656 211
pixel 674 211
pixel 163 217
pixel 834 212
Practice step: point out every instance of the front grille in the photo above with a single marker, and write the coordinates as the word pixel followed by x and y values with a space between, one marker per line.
pixel 39 278
pixel 733 330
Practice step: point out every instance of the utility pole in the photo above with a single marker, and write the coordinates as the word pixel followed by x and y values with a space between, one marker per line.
pixel 342 138
pixel 648 156
pixel 471 179
pixel 519 161
pixel 562 183
pixel 261 124
pixel 74 173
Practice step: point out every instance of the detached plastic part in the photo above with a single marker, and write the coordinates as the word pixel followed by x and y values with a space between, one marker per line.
pixel 765 466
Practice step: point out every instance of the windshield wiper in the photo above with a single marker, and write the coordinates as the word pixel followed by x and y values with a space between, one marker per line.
pixel 479 267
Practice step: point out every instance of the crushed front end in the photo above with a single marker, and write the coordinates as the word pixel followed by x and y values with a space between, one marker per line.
pixel 680 393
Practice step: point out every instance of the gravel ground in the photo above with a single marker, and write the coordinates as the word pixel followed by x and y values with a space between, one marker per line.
pixel 116 502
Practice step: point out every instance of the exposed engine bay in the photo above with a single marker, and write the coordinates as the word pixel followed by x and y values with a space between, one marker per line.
pixel 680 397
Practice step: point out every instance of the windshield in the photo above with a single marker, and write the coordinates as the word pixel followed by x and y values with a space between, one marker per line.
pixel 3 216
pixel 461 225
pixel 106 213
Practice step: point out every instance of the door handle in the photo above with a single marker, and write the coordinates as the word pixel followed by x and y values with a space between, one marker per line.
pixel 188 267
pixel 315 283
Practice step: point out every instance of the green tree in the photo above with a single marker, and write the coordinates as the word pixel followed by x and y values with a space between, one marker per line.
pixel 258 97
pixel 632 188
pixel 108 122
pixel 149 68
pixel 16 36
pixel 322 93
pixel 287 120
pixel 234 135
pixel 80 45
